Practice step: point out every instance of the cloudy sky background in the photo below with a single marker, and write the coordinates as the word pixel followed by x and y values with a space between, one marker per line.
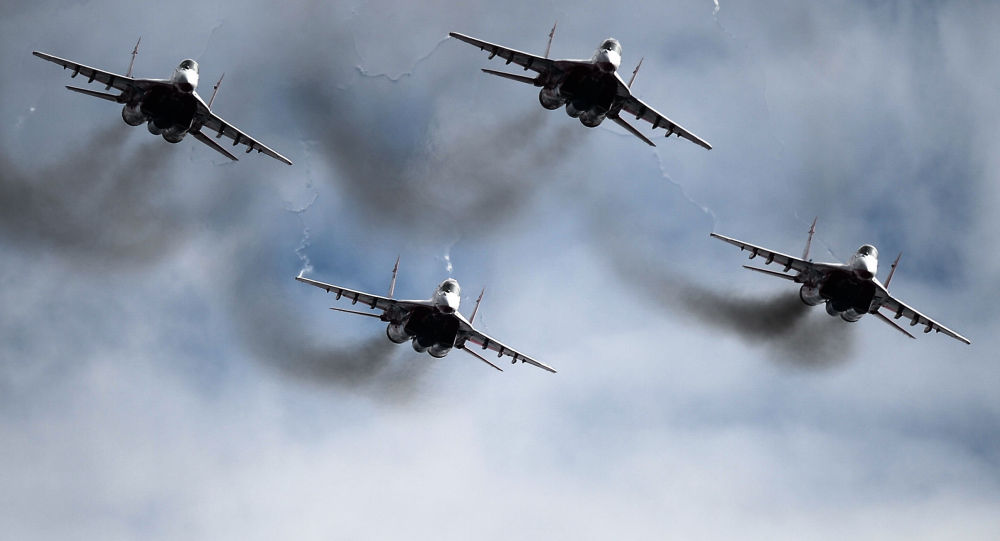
pixel 162 376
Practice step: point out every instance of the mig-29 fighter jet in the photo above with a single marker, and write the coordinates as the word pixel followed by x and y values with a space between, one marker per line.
pixel 591 89
pixel 434 325
pixel 849 290
pixel 169 107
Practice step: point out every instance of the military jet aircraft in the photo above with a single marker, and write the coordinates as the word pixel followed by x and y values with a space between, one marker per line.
pixel 590 89
pixel 433 325
pixel 169 107
pixel 849 290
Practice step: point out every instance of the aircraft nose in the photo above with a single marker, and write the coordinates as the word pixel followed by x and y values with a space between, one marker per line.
pixel 867 269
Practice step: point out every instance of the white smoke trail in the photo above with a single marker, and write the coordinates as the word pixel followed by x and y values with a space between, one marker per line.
pixel 447 257
pixel 304 244
pixel 704 208
pixel 715 12
pixel 395 78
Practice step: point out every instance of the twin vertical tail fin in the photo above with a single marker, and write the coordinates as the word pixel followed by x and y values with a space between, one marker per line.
pixel 215 90
pixel 392 285
pixel 131 63
pixel 812 231
pixel 635 72
pixel 551 34
pixel 476 309
pixel 892 270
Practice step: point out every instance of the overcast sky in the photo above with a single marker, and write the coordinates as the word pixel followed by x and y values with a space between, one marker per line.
pixel 162 375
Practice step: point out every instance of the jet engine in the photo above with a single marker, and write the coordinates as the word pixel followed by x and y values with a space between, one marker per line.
pixel 550 98
pixel 572 110
pixel 132 115
pixel 850 315
pixel 153 128
pixel 174 134
pixel 592 118
pixel 417 346
pixel 396 333
pixel 810 295
pixel 438 350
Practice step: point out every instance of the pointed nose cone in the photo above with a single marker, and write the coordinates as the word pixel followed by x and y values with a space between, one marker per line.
pixel 449 303
pixel 867 267
pixel 187 80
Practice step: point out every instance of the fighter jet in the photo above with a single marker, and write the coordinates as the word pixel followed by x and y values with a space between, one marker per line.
pixel 591 90
pixel 433 325
pixel 849 290
pixel 169 107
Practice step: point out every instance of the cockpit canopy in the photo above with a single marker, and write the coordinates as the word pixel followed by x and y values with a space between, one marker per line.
pixel 868 249
pixel 450 286
pixel 189 65
pixel 611 44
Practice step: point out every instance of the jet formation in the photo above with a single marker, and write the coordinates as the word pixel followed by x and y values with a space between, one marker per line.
pixel 170 107
pixel 591 90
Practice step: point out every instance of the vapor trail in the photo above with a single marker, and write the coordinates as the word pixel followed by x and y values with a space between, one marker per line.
pixel 395 78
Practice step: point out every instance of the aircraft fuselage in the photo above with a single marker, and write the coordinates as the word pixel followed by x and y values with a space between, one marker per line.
pixel 588 90
pixel 433 328
pixel 168 109
pixel 848 290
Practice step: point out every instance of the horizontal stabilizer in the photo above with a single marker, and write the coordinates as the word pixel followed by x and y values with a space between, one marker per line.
pixel 369 314
pixel 210 142
pixel 481 358
pixel 882 316
pixel 102 95
pixel 511 76
pixel 771 272
pixel 631 129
